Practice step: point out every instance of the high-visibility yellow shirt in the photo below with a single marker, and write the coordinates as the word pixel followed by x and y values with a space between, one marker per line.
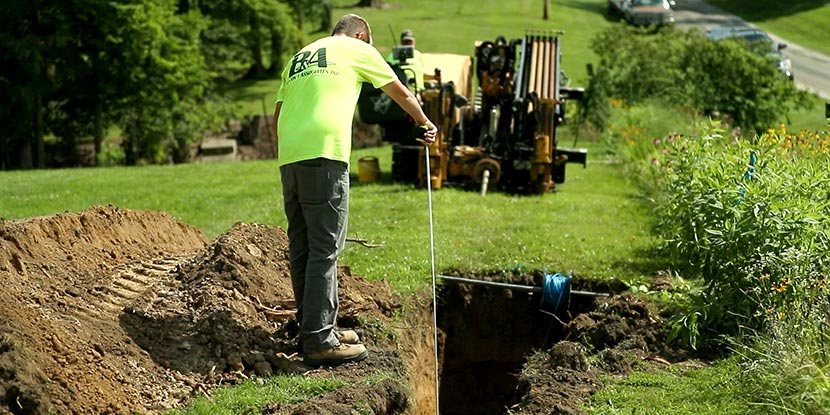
pixel 319 92
pixel 413 68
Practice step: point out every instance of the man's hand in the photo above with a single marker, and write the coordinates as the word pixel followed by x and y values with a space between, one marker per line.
pixel 430 131
pixel 406 99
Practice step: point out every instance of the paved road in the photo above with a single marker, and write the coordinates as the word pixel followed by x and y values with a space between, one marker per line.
pixel 811 69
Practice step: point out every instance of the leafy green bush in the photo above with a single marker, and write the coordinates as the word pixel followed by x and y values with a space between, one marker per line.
pixel 747 219
pixel 110 155
pixel 684 69
pixel 728 204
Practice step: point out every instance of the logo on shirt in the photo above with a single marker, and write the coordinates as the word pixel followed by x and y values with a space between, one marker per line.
pixel 305 59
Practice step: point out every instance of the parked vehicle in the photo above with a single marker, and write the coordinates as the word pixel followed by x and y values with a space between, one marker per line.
pixel 643 12
pixel 757 40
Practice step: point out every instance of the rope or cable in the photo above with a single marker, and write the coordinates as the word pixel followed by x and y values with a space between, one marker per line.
pixel 432 265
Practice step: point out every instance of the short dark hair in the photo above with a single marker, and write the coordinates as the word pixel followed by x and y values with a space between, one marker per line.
pixel 350 25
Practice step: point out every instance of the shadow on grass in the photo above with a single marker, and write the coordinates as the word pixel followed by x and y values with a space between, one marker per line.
pixel 766 10
pixel 384 178
pixel 644 261
pixel 596 7
pixel 600 8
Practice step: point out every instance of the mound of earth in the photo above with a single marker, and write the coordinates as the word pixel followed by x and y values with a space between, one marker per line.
pixel 115 311
pixel 620 334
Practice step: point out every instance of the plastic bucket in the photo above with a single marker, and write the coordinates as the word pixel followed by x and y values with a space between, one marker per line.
pixel 368 170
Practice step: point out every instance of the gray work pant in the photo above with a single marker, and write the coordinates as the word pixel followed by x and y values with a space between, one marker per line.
pixel 316 196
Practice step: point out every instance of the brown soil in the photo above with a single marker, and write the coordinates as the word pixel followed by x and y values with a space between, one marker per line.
pixel 621 334
pixel 115 311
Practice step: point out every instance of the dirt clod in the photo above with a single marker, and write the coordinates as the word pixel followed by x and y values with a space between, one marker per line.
pixel 568 355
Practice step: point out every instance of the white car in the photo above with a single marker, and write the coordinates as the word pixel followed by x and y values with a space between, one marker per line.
pixel 643 12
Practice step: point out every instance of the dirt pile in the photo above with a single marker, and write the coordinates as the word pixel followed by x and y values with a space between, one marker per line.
pixel 114 311
pixel 618 335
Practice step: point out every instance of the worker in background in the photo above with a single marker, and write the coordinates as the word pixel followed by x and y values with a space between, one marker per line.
pixel 413 67
pixel 313 116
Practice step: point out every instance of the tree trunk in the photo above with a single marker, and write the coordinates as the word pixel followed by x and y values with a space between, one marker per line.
pixel 98 134
pixel 130 156
pixel 40 150
pixel 26 156
pixel 276 51
pixel 257 68
pixel 546 13
pixel 300 16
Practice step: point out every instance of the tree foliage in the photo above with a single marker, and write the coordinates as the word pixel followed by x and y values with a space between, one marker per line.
pixel 26 37
pixel 166 72
pixel 249 37
pixel 72 69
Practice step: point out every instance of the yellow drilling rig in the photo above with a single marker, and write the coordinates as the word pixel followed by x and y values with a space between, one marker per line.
pixel 499 132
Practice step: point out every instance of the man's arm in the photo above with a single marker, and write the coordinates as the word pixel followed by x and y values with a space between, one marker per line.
pixel 406 99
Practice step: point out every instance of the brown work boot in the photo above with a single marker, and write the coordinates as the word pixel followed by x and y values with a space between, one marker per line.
pixel 342 353
pixel 347 336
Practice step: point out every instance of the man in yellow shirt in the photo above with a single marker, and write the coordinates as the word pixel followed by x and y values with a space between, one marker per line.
pixel 413 67
pixel 313 117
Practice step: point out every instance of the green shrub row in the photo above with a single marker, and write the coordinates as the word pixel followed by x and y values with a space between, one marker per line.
pixel 732 207
pixel 685 69
pixel 749 219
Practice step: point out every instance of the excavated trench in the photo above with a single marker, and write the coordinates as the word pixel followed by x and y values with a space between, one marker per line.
pixel 488 334
pixel 115 311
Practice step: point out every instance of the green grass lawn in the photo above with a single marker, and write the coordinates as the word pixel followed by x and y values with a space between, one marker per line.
pixel 672 391
pixel 240 399
pixel 595 226
pixel 253 97
pixel 811 118
pixel 803 22
pixel 454 26
pixel 211 197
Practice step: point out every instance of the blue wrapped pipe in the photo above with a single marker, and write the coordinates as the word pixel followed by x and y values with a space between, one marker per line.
pixel 556 289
